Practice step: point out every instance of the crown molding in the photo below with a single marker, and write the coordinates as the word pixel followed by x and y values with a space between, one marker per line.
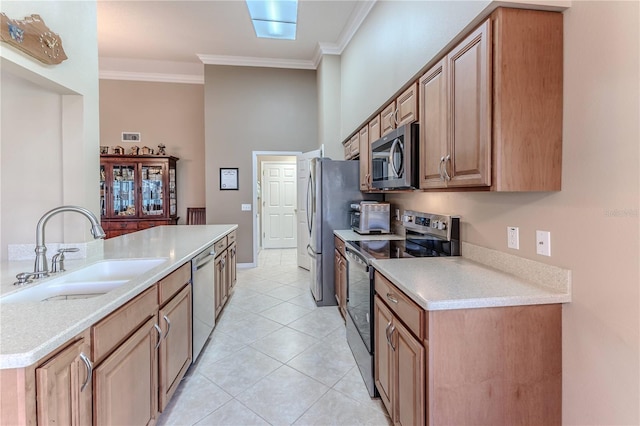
pixel 151 77
pixel 356 19
pixel 248 61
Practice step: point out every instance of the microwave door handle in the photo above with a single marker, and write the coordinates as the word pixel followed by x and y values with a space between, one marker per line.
pixel 392 151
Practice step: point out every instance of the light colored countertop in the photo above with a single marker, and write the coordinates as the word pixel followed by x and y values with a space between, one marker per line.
pixel 440 283
pixel 31 330
pixel 351 235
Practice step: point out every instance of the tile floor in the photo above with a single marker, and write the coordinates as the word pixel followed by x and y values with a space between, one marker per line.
pixel 275 358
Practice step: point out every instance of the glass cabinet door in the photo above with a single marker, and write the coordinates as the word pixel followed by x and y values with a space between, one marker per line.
pixel 173 200
pixel 103 183
pixel 124 190
pixel 152 190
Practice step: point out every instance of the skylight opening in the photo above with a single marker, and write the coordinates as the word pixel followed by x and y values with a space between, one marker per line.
pixel 274 18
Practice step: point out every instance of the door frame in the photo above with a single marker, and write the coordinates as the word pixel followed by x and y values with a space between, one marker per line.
pixel 254 157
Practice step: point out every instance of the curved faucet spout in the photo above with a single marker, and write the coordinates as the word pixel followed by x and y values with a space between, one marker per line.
pixel 40 267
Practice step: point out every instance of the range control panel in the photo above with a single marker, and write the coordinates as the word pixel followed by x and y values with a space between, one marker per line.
pixel 443 226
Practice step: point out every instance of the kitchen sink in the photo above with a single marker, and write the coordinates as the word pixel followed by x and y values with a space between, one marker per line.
pixel 91 281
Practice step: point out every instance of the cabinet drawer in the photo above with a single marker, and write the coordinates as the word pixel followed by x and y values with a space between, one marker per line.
pixel 339 245
pixel 113 330
pixel 144 224
pixel 404 308
pixel 115 226
pixel 220 245
pixel 231 237
pixel 172 283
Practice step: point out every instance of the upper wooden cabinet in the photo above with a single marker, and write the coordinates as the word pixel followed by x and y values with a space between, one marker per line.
pixel 491 110
pixel 137 192
pixel 402 110
pixel 355 145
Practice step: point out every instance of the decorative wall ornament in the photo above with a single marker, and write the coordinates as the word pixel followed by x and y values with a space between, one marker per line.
pixel 32 36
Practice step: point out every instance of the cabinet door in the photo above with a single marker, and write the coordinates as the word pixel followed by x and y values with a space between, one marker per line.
pixel 343 285
pixel 409 381
pixel 365 161
pixel 337 260
pixel 64 388
pixel 469 67
pixel 354 143
pixel 125 384
pixel 123 189
pixel 383 358
pixel 233 266
pixel 388 119
pixel 175 350
pixel 407 106
pixel 221 282
pixel 152 190
pixel 433 126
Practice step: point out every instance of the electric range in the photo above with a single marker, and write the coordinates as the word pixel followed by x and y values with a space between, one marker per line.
pixel 426 235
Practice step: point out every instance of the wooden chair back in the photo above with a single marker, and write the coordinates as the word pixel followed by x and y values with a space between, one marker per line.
pixel 196 216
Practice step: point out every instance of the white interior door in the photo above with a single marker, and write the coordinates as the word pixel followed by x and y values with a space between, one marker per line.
pixel 303 229
pixel 279 205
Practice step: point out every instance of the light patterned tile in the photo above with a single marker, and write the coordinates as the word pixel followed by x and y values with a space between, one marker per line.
pixel 284 344
pixel 250 330
pixel 325 363
pixel 318 323
pixel 233 413
pixel 220 346
pixel 352 385
pixel 283 396
pixel 239 372
pixel 188 406
pixel 286 292
pixel 285 312
pixel 305 300
pixel 337 409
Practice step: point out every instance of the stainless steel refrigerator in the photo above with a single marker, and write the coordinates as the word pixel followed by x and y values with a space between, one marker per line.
pixel 332 186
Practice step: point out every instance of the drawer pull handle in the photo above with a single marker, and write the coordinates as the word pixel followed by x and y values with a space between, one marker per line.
pixel 159 335
pixel 386 333
pixel 391 298
pixel 87 363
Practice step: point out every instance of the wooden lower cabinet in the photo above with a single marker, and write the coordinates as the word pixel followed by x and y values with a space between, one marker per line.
pixel 233 266
pixel 221 282
pixel 175 349
pixel 340 280
pixel 489 366
pixel 64 390
pixel 399 368
pixel 125 384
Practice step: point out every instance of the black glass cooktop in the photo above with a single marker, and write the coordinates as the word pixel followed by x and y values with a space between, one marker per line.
pixel 411 247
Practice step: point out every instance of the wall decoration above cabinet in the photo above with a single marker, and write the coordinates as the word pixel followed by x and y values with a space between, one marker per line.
pixel 32 36
pixel 137 192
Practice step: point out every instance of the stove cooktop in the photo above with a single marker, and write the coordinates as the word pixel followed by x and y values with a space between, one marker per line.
pixel 397 249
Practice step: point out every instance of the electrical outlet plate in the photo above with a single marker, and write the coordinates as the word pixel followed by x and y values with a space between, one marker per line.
pixel 246 207
pixel 543 243
pixel 513 237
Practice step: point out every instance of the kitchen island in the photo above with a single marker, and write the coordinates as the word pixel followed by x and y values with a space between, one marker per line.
pixel 31 330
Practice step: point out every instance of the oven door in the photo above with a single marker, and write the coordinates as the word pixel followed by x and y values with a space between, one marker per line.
pixel 360 295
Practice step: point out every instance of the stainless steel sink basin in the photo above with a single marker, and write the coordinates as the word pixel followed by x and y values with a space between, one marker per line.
pixel 91 281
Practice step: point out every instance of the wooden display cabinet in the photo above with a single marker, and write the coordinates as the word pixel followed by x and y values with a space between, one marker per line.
pixel 137 192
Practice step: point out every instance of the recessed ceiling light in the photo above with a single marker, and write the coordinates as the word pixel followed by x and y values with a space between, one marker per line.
pixel 274 18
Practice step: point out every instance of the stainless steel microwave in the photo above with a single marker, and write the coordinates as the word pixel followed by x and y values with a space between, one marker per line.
pixel 394 159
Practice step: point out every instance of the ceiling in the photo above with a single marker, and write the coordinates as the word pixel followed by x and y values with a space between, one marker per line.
pixel 134 32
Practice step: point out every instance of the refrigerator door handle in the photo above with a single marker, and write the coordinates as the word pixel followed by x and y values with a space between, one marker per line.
pixel 310 251
pixel 309 207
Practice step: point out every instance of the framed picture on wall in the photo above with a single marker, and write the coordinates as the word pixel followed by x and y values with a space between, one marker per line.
pixel 228 179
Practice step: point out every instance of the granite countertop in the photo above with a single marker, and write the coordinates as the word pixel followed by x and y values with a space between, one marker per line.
pixel 440 283
pixel 351 235
pixel 31 330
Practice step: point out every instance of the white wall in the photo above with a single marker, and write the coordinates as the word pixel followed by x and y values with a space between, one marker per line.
pixel 328 75
pixel 594 219
pixel 50 118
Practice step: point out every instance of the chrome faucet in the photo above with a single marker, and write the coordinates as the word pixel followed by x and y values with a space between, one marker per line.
pixel 40 268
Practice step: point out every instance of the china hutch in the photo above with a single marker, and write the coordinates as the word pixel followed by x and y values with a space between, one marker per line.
pixel 137 192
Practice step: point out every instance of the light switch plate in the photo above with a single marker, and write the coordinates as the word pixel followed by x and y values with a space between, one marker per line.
pixel 246 207
pixel 543 243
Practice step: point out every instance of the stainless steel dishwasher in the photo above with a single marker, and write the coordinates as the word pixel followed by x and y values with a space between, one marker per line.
pixel 203 286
